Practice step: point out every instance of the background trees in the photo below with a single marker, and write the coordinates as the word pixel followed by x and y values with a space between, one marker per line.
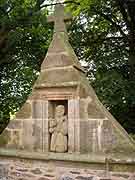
pixel 102 34
pixel 24 39
pixel 105 32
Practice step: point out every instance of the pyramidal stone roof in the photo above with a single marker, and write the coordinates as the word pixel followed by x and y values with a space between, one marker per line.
pixel 60 54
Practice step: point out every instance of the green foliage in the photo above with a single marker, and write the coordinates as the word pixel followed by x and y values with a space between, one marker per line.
pixel 133 136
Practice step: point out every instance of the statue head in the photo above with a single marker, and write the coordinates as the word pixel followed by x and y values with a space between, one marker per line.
pixel 60 110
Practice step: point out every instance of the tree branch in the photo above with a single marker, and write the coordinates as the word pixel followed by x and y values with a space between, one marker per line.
pixel 123 12
pixel 113 23
pixel 67 2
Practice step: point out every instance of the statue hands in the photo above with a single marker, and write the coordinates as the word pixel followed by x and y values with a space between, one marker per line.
pixel 52 125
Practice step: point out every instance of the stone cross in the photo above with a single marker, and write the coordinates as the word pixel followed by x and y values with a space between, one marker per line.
pixel 59 18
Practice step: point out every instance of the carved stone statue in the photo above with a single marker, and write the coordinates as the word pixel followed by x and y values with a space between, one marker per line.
pixel 58 129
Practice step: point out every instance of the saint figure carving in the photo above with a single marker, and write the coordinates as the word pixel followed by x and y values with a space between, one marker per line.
pixel 58 129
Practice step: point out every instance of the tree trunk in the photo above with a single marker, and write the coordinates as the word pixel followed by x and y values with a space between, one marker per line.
pixel 131 58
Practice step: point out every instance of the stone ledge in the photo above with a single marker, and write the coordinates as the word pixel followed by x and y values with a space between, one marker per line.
pixel 65 84
pixel 92 161
pixel 86 158
pixel 53 156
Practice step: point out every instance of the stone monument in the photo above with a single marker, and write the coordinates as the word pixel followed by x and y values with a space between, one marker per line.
pixel 63 118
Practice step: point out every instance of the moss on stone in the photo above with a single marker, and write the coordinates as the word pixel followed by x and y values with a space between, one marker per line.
pixel 4 138
pixel 25 111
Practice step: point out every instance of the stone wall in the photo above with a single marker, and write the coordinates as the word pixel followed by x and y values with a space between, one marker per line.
pixel 24 169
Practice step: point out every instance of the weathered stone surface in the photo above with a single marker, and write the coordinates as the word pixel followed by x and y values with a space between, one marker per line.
pixel 63 170
pixel 132 177
pixel 60 60
pixel 37 109
pixel 49 175
pixel 84 178
pixel 22 169
pixel 15 124
pixel 15 173
pixel 25 111
pixel 62 76
pixel 4 170
pixel 66 177
pixel 15 139
pixel 89 109
pixel 36 171
pixel 43 178
pixel 27 136
pixel 89 136
pixel 5 138
pixel 27 175
pixel 121 175
pixel 108 137
pixel 74 172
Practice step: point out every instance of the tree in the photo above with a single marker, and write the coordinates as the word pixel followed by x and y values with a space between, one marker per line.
pixel 17 17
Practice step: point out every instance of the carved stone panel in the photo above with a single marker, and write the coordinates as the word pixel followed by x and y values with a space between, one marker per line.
pixel 73 126
pixel 89 109
pixel 89 136
pixel 37 109
pixel 107 137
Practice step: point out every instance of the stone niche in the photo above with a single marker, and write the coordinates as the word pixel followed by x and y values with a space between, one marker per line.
pixel 70 103
pixel 53 104
pixel 44 107
pixel 58 125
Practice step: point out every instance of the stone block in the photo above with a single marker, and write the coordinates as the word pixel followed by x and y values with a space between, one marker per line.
pixel 27 135
pixel 89 109
pixel 37 109
pixel 107 136
pixel 84 178
pixel 5 138
pixel 37 135
pixel 4 171
pixel 25 111
pixel 36 171
pixel 59 60
pixel 61 76
pixel 89 141
pixel 15 124
pixel 43 178
pixel 66 177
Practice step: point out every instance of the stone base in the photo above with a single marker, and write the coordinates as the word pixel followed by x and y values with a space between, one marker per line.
pixel 30 166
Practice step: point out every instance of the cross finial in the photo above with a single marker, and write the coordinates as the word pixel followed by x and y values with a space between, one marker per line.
pixel 59 18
